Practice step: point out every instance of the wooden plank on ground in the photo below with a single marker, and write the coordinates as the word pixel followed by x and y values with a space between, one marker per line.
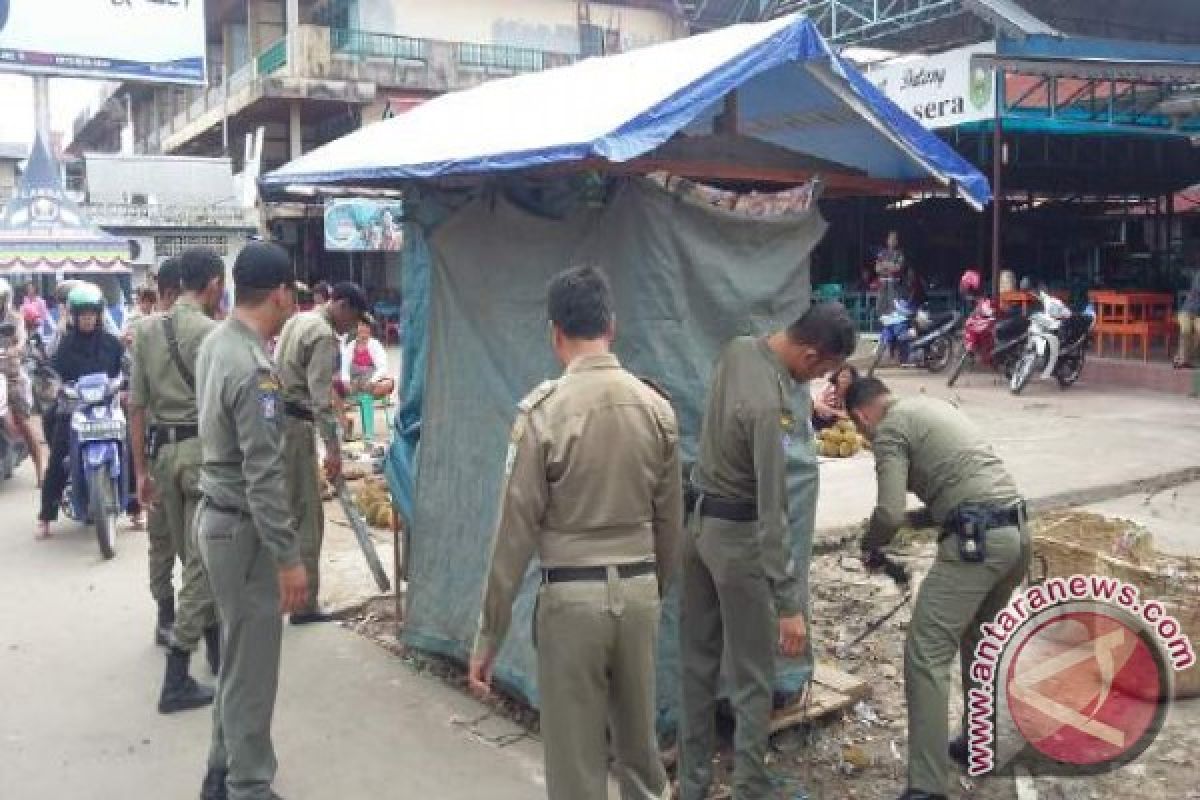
pixel 834 678
pixel 831 691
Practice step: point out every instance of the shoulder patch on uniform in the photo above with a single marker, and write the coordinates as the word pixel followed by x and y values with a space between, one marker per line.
pixel 268 388
pixel 537 396
pixel 658 388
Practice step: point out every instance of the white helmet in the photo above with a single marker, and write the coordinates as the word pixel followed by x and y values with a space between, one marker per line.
pixel 6 293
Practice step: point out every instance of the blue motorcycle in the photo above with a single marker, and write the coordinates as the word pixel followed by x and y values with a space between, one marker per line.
pixel 96 493
pixel 913 337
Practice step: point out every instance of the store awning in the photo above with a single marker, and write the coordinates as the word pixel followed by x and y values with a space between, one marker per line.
pixel 792 90
pixel 1089 58
pixel 42 231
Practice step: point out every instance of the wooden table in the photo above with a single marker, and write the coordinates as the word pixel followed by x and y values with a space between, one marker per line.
pixel 1025 299
pixel 1132 316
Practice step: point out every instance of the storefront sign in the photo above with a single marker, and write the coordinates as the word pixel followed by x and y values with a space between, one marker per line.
pixel 362 225
pixel 941 90
pixel 167 246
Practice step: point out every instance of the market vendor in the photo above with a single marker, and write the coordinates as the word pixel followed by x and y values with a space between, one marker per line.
pixel 1189 324
pixel 889 267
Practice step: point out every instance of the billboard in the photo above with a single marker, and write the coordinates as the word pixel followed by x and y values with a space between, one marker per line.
pixel 362 225
pixel 941 90
pixel 134 40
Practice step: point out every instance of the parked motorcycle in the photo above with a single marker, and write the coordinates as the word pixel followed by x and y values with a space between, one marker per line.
pixel 96 492
pixel 994 343
pixel 1057 343
pixel 914 337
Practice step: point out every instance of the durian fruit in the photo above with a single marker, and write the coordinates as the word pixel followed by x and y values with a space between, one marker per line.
pixel 845 450
pixel 829 449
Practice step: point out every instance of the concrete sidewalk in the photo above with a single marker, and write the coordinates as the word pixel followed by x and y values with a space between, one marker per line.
pixel 79 680
pixel 1096 443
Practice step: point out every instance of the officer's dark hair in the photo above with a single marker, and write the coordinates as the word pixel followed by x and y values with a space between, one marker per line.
pixel 198 266
pixel 864 391
pixel 579 302
pixel 837 373
pixel 169 277
pixel 827 328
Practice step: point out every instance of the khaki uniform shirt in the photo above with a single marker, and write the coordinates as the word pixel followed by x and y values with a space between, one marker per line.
pixel 241 434
pixel 930 448
pixel 156 383
pixel 13 346
pixel 593 478
pixel 742 451
pixel 307 354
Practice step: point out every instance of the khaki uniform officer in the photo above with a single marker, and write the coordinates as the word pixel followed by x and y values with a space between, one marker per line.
pixel 741 598
pixel 593 486
pixel 307 354
pixel 928 447
pixel 163 385
pixel 162 552
pixel 244 528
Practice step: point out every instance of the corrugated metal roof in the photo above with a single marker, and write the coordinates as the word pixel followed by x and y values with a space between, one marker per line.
pixel 1009 17
pixel 13 151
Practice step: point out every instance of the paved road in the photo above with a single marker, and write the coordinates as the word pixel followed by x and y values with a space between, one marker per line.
pixel 79 679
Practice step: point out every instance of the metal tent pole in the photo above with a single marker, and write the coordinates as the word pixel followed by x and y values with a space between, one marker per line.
pixel 997 180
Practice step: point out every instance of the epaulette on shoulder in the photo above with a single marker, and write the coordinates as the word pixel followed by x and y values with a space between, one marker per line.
pixel 657 387
pixel 537 396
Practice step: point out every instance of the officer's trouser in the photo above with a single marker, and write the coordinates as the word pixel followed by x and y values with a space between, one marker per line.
pixel 300 466
pixel 176 470
pixel 245 583
pixel 726 608
pixel 161 555
pixel 596 659
pixel 955 599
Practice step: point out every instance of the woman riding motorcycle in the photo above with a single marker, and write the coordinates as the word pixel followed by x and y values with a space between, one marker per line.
pixel 84 349
pixel 18 388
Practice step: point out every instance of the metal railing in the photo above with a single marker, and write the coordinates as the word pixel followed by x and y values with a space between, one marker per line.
pixel 273 58
pixel 517 59
pixel 378 45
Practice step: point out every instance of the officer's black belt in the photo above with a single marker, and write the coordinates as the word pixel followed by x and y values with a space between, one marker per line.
pixel 298 411
pixel 173 434
pixel 1007 517
pixel 728 510
pixel 570 574
pixel 210 503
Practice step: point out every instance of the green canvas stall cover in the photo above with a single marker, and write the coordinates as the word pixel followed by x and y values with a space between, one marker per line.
pixel 686 278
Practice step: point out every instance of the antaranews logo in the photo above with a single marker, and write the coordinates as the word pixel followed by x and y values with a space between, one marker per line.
pixel 1073 677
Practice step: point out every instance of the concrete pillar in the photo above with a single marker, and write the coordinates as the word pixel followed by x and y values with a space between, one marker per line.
pixel 295 131
pixel 41 105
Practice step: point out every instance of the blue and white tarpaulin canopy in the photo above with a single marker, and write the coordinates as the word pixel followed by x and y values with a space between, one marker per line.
pixel 792 90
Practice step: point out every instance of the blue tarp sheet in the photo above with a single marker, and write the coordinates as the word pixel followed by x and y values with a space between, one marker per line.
pixel 624 106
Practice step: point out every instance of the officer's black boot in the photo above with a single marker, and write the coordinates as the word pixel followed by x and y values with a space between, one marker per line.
pixel 957 750
pixel 179 691
pixel 166 621
pixel 212 648
pixel 213 787
pixel 920 794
